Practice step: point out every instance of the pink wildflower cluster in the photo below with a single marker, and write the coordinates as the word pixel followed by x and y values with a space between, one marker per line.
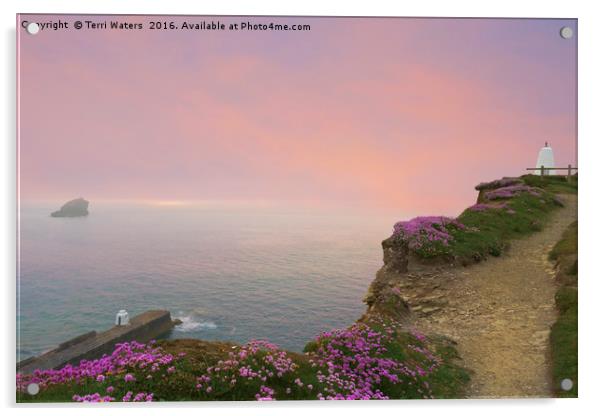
pixel 422 232
pixel 140 397
pixel 418 335
pixel 126 359
pixel 510 192
pixel 265 394
pixel 481 207
pixel 484 207
pixel 257 361
pixel 92 398
pixel 498 183
pixel 353 365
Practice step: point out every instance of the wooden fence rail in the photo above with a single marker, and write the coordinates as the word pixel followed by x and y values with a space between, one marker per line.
pixel 569 170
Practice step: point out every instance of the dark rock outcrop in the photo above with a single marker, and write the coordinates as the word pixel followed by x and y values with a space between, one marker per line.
pixel 74 208
pixel 404 284
pixel 383 297
pixel 395 254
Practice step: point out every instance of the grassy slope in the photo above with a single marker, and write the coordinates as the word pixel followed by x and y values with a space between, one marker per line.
pixel 564 332
pixel 498 227
pixel 489 231
pixel 521 216
pixel 563 336
pixel 567 245
pixel 524 215
pixel 555 184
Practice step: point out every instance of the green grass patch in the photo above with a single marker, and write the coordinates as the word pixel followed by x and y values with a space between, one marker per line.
pixel 566 298
pixel 573 269
pixel 507 209
pixel 489 231
pixel 564 334
pixel 450 380
pixel 555 183
pixel 567 245
pixel 563 339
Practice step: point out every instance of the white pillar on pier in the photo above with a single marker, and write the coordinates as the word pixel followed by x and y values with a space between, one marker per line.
pixel 122 318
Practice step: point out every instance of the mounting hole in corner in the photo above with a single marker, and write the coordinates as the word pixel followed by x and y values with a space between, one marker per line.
pixel 33 388
pixel 566 384
pixel 566 32
pixel 33 28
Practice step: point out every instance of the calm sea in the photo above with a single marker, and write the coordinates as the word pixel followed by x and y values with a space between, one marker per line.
pixel 228 274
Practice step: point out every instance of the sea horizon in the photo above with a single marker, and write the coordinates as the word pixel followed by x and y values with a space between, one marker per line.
pixel 228 271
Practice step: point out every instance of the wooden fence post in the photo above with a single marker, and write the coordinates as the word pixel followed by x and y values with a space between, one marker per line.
pixel 541 171
pixel 568 176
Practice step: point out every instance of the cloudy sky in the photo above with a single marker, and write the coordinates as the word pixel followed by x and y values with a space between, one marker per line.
pixel 402 114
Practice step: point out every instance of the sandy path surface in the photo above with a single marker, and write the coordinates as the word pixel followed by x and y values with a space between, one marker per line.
pixel 500 313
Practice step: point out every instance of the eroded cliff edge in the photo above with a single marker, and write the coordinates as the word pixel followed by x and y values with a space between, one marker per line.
pixel 424 254
pixel 490 287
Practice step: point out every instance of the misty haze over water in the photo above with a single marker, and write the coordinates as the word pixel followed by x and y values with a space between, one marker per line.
pixel 229 274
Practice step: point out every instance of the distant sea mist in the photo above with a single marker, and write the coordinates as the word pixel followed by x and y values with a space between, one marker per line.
pixel 228 274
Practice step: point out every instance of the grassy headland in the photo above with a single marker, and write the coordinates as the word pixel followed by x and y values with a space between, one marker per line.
pixel 556 183
pixel 507 208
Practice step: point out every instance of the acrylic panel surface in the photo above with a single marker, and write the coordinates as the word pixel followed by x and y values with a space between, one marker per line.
pixel 203 202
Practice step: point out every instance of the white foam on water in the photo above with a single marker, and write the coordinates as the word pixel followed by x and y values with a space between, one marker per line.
pixel 190 324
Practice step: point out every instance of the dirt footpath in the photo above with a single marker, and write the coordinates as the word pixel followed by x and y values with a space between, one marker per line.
pixel 500 313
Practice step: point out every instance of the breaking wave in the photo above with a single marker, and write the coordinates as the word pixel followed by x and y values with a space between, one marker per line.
pixel 190 324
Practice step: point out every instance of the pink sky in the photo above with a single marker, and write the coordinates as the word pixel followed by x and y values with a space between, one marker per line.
pixel 402 114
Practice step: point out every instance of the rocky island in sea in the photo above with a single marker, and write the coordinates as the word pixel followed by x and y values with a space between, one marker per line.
pixel 75 208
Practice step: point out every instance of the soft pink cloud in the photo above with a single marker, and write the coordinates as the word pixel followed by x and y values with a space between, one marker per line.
pixel 404 114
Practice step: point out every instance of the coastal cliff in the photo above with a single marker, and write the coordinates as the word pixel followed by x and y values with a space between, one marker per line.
pixel 402 347
pixel 424 253
pixel 484 280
